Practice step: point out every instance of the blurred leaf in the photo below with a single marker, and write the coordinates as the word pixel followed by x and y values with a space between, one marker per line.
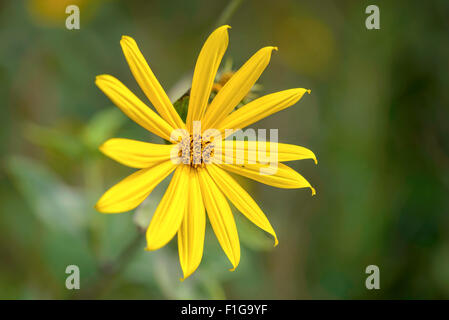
pixel 212 286
pixel 117 230
pixel 251 236
pixel 167 273
pixel 54 139
pixel 54 203
pixel 58 255
pixel 182 105
pixel 140 269
pixel 145 211
pixel 102 126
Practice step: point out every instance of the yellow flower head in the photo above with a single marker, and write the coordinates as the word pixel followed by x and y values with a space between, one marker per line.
pixel 200 182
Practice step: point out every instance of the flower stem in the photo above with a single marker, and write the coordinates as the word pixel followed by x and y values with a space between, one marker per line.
pixel 109 271
pixel 228 12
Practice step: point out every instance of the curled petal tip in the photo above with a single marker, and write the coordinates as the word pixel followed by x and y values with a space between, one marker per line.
pixel 276 242
pixel 309 91
pixel 234 267
pixel 101 147
pixel 186 275
pixel 102 77
pixel 127 39
pixel 150 248
pixel 98 207
pixel 313 191
pixel 270 48
pixel 224 27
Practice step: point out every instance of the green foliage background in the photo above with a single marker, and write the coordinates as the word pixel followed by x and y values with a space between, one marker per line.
pixel 377 120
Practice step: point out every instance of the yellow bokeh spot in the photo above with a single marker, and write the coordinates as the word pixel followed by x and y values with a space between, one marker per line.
pixel 306 44
pixel 52 12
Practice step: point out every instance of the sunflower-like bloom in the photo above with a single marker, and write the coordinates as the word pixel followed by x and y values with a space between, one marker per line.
pixel 200 183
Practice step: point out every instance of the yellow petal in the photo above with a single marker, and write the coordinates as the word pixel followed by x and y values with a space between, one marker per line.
pixel 241 199
pixel 193 226
pixel 169 213
pixel 133 107
pixel 148 82
pixel 220 217
pixel 136 154
pixel 242 152
pixel 131 191
pixel 204 75
pixel 261 108
pixel 281 176
pixel 237 87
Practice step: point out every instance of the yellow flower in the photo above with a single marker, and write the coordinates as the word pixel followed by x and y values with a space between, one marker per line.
pixel 197 186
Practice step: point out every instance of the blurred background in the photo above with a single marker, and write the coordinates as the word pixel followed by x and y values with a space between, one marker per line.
pixel 377 119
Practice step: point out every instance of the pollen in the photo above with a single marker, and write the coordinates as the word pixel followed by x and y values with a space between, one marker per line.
pixel 196 151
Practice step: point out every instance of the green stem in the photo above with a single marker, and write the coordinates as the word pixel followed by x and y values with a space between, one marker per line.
pixel 228 12
pixel 109 271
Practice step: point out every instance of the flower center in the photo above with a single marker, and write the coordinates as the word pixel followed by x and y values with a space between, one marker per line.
pixel 196 151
